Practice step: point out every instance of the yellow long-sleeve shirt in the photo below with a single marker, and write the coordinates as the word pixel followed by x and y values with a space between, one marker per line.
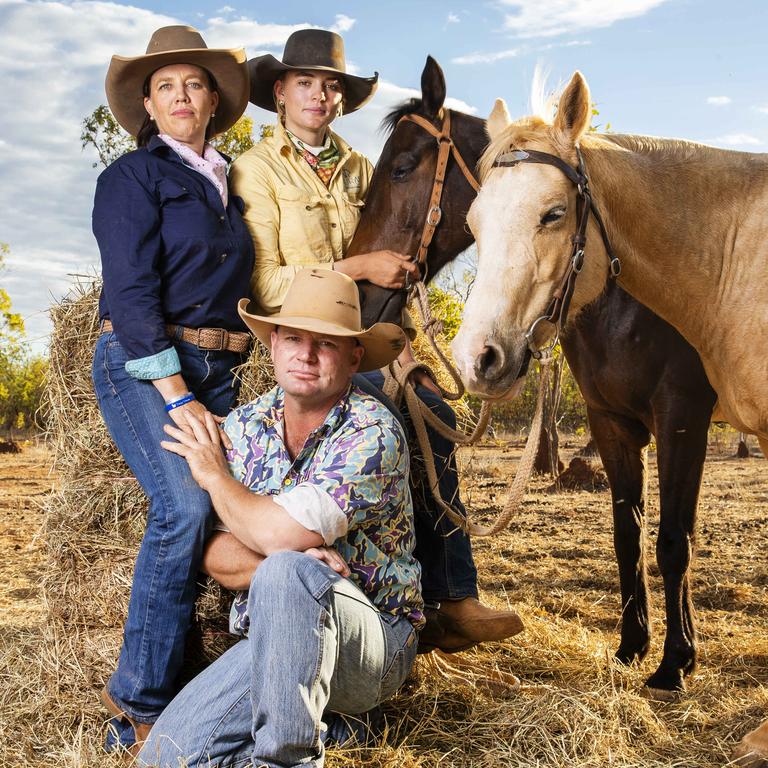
pixel 295 221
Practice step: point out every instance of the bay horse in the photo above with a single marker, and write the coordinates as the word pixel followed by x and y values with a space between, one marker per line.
pixel 637 374
pixel 681 226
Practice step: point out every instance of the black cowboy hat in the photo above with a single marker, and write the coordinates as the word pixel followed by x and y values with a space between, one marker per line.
pixel 309 49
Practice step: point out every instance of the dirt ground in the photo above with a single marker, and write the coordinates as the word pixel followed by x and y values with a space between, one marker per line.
pixel 556 563
pixel 24 478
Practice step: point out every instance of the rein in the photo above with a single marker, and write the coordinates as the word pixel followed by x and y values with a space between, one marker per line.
pixel 557 311
pixel 446 148
pixel 396 376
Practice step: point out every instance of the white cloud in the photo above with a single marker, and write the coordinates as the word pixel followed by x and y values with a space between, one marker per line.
pixel 569 44
pixel 718 101
pixel 736 140
pixel 453 18
pixel 225 9
pixel 762 109
pixel 543 18
pixel 486 58
pixel 343 23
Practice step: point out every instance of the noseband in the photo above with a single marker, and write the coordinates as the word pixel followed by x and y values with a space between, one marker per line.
pixel 445 147
pixel 557 311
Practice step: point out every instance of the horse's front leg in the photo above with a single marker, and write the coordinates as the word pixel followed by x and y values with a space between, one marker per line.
pixel 682 447
pixel 621 443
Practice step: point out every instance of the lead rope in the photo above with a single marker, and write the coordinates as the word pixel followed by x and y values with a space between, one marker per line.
pixel 397 386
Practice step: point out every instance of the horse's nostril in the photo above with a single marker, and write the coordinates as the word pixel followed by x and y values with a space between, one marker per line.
pixel 490 362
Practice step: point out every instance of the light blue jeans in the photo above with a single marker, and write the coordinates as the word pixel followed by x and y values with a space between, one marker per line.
pixel 316 643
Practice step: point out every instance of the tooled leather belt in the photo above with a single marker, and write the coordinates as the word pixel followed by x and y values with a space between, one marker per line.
pixel 217 339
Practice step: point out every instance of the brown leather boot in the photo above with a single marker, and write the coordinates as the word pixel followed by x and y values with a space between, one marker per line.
pixel 141 730
pixel 752 750
pixel 456 625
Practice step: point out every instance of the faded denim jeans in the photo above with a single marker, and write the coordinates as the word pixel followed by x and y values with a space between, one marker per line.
pixel 164 580
pixel 316 643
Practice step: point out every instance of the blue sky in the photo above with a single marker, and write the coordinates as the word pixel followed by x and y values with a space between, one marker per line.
pixel 693 69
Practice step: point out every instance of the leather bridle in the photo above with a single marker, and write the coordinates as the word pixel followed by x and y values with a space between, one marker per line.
pixel 446 147
pixel 557 311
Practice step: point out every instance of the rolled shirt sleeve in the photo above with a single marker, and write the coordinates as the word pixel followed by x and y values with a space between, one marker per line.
pixel 313 507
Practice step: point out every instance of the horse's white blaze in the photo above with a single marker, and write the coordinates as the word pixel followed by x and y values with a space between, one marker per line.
pixel 514 282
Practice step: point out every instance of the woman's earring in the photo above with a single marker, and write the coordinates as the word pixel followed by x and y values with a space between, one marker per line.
pixel 340 110
pixel 151 118
pixel 213 114
pixel 281 104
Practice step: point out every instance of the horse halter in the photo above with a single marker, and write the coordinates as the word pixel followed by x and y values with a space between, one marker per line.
pixel 446 147
pixel 557 311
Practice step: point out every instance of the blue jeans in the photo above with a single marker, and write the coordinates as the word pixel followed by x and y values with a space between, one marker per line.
pixel 164 580
pixel 448 571
pixel 315 643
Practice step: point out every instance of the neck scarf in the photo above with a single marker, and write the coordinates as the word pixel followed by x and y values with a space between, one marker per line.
pixel 324 162
pixel 212 165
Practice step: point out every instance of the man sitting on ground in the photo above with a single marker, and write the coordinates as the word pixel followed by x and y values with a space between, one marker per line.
pixel 314 462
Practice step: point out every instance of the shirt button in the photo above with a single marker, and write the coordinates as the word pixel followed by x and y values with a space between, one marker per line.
pixel 328 196
pixel 287 481
pixel 308 207
pixel 223 257
pixel 333 224
pixel 222 218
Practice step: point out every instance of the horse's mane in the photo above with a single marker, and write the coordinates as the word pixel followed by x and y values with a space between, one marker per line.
pixel 408 107
pixel 532 130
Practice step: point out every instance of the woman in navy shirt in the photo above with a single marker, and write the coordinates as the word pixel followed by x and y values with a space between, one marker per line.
pixel 175 257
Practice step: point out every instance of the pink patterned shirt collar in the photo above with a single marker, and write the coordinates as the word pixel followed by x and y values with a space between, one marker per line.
pixel 212 165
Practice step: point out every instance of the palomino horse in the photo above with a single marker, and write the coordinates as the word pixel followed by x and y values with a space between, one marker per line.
pixel 683 228
pixel 637 374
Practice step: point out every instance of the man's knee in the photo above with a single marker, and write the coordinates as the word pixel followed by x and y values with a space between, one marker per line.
pixel 282 573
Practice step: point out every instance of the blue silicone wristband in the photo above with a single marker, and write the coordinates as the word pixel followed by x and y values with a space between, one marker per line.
pixel 188 398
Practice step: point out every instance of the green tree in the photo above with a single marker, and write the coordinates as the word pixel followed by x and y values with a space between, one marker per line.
pixel 104 134
pixel 21 376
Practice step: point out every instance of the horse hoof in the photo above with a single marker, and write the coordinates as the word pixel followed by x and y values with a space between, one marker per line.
pixel 660 694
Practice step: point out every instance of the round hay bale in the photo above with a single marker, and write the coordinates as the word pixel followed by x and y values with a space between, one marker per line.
pixel 92 527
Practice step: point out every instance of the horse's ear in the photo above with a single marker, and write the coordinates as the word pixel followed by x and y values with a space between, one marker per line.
pixel 432 87
pixel 574 109
pixel 499 119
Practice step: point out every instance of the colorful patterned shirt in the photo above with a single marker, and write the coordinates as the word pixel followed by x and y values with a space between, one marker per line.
pixel 359 458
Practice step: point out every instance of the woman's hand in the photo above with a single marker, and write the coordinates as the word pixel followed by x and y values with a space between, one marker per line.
pixel 174 388
pixel 386 269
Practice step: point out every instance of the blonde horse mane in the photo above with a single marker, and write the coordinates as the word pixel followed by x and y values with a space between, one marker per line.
pixel 538 129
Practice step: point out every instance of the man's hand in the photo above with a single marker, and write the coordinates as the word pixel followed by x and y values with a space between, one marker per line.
pixel 202 449
pixel 331 558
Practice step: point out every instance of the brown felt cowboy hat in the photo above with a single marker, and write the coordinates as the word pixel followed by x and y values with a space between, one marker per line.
pixel 328 302
pixel 309 49
pixel 177 45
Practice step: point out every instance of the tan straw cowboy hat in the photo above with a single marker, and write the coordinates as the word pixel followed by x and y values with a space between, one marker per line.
pixel 309 49
pixel 177 45
pixel 323 301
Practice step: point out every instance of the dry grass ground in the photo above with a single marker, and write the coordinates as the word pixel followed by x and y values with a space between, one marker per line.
pixel 555 565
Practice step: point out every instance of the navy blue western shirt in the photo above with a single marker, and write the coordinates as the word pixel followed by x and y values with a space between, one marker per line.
pixel 170 253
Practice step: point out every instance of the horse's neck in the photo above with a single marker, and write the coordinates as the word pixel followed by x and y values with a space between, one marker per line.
pixel 683 219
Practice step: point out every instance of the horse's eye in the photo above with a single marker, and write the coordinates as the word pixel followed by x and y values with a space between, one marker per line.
pixel 553 215
pixel 401 172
